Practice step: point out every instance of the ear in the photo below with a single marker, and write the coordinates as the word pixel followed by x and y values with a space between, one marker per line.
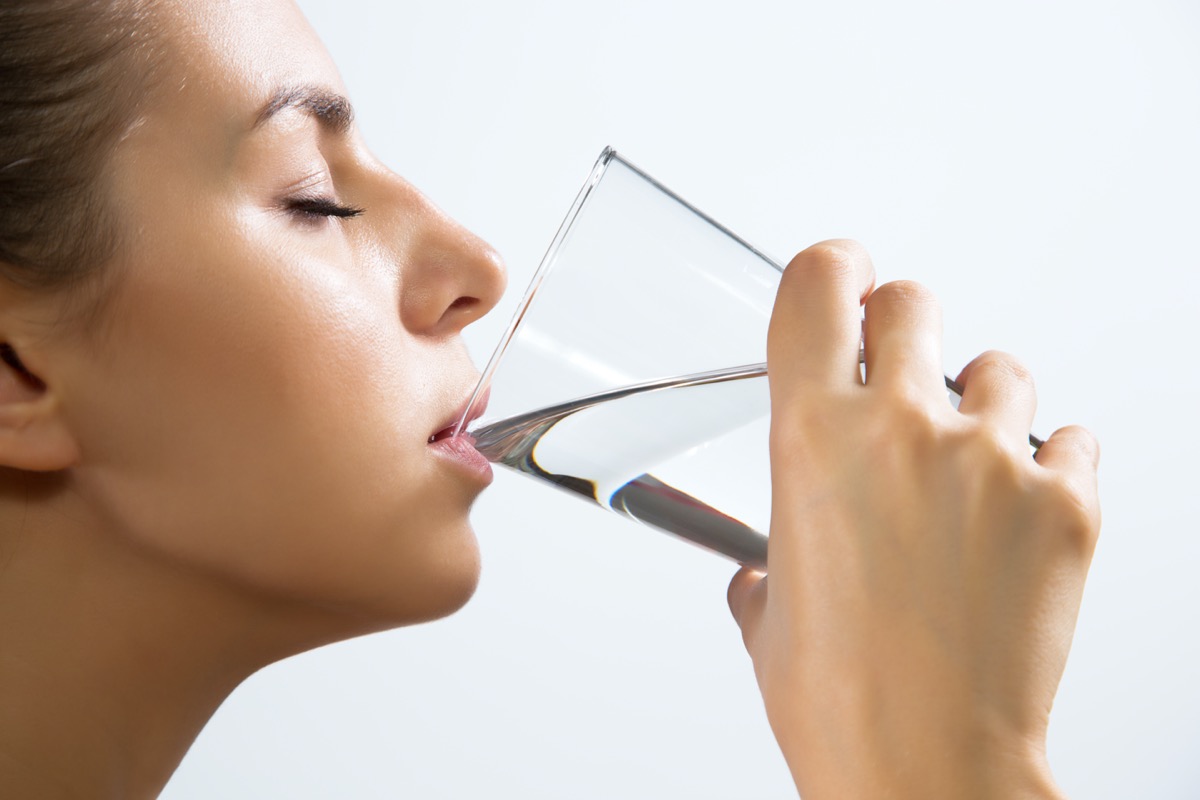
pixel 33 434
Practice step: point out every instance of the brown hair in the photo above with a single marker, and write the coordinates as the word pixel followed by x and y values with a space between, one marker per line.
pixel 72 73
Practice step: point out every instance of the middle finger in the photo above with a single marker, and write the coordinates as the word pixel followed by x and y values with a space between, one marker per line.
pixel 902 334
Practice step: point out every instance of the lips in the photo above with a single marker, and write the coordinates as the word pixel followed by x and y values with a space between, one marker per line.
pixel 447 429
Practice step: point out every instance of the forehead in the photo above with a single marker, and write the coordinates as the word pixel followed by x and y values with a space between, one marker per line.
pixel 233 56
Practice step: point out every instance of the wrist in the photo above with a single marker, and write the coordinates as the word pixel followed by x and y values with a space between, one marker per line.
pixel 932 773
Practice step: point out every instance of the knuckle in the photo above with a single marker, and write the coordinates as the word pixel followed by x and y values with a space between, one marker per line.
pixel 792 430
pixel 905 402
pixel 987 450
pixel 995 465
pixel 1077 517
pixel 1003 366
pixel 903 292
pixel 1083 442
pixel 838 257
pixel 836 250
pixel 903 416
pixel 804 432
pixel 987 444
pixel 783 433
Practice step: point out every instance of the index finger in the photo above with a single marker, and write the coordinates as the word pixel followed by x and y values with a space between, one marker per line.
pixel 816 325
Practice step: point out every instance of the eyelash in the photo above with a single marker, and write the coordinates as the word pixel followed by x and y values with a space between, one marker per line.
pixel 321 207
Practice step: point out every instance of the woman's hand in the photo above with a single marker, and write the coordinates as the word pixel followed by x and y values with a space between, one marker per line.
pixel 925 571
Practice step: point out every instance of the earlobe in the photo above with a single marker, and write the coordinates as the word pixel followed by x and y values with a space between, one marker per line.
pixel 33 434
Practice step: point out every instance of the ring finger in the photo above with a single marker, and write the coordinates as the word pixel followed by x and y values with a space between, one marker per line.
pixel 998 389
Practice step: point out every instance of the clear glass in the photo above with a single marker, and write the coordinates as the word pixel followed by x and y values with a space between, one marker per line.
pixel 633 373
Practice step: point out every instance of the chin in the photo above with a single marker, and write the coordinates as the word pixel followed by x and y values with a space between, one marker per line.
pixel 430 585
pixel 390 579
pixel 456 584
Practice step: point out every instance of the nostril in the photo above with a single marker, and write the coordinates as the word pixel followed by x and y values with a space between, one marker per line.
pixel 461 312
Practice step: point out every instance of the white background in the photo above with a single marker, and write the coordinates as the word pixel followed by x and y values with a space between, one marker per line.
pixel 1034 163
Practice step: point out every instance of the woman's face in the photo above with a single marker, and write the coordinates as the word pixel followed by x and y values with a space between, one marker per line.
pixel 257 396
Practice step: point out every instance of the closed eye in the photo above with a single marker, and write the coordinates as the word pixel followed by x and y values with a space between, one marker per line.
pixel 321 207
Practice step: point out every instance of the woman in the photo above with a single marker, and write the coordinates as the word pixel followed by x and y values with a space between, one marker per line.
pixel 229 338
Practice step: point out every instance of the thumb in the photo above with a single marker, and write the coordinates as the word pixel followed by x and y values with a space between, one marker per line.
pixel 747 598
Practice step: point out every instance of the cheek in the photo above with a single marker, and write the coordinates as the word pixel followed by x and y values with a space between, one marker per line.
pixel 267 424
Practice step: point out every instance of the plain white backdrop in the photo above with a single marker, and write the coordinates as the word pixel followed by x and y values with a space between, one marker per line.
pixel 1037 164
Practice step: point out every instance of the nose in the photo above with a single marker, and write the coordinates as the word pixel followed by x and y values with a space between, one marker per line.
pixel 452 277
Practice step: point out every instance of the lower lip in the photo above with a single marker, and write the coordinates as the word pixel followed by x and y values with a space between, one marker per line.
pixel 462 450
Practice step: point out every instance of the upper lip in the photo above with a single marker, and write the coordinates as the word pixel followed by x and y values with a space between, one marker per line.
pixel 475 413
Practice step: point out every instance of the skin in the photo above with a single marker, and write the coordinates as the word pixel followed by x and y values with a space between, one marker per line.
pixel 925 572
pixel 229 464
pixel 226 463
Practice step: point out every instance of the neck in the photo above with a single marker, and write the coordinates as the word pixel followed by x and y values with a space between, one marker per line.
pixel 112 661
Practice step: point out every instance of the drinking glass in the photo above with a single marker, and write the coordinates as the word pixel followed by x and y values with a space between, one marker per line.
pixel 633 373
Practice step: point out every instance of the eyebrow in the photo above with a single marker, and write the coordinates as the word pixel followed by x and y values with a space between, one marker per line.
pixel 328 107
